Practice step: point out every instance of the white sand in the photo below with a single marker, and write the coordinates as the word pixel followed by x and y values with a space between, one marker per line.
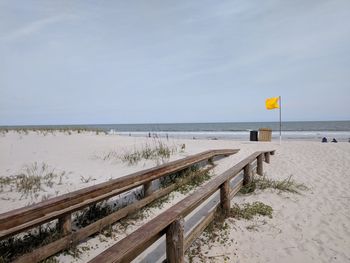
pixel 311 227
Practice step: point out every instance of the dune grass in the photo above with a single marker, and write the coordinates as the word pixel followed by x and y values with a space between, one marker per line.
pixel 51 130
pixel 262 183
pixel 249 210
pixel 32 179
pixel 159 152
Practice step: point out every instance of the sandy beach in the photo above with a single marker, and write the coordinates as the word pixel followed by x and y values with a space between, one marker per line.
pixel 310 226
pixel 174 131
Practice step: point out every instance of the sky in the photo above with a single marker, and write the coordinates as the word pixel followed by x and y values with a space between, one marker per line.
pixel 95 62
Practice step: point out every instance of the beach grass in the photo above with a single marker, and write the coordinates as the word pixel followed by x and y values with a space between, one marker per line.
pixel 32 179
pixel 249 210
pixel 51 130
pixel 158 151
pixel 262 183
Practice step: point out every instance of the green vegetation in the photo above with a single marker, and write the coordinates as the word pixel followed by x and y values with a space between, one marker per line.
pixel 32 179
pixel 187 179
pixel 218 229
pixel 144 212
pixel 262 183
pixel 15 246
pixel 158 152
pixel 92 214
pixel 178 177
pixel 51 130
pixel 198 177
pixel 249 210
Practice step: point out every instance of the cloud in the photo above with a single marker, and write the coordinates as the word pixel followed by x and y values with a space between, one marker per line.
pixel 34 27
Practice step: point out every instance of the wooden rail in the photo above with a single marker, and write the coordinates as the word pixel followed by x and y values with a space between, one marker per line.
pixel 61 207
pixel 27 217
pixel 171 222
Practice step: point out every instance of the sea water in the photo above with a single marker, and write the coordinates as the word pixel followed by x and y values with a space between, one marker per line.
pixel 306 130
pixel 310 130
pixel 237 131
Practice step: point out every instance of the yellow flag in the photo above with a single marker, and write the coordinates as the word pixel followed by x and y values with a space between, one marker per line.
pixel 272 103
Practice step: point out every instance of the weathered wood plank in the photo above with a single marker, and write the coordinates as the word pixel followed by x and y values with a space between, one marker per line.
pixel 267 157
pixel 175 251
pixel 65 224
pixel 260 166
pixel 236 188
pixel 147 189
pixel 247 176
pixel 225 200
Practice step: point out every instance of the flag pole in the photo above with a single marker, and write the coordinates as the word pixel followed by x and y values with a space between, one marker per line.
pixel 280 119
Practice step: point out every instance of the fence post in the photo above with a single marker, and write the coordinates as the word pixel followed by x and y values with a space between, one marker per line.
pixel 225 200
pixel 247 174
pixel 147 188
pixel 267 157
pixel 260 168
pixel 65 224
pixel 175 245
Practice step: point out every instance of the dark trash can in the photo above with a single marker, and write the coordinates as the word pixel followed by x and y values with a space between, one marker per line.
pixel 253 136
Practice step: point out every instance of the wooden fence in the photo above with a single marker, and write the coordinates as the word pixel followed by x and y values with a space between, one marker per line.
pixel 62 207
pixel 171 222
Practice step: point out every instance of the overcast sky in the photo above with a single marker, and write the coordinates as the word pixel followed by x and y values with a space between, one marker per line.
pixel 76 62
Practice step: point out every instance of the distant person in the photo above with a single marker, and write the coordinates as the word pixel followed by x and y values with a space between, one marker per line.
pixel 334 140
pixel 324 139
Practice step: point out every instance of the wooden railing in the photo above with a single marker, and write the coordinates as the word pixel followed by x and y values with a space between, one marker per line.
pixel 62 207
pixel 171 222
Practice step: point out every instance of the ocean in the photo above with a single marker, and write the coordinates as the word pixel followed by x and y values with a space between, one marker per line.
pixel 306 130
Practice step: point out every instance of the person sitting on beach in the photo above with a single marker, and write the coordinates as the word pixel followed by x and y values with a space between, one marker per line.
pixel 324 139
pixel 334 140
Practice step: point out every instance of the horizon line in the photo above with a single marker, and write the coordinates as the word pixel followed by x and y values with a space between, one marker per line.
pixel 160 123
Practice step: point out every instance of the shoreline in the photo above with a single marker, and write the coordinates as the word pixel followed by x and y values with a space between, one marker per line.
pixel 340 136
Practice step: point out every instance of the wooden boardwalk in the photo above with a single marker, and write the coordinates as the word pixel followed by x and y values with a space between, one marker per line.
pixel 62 207
pixel 171 222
